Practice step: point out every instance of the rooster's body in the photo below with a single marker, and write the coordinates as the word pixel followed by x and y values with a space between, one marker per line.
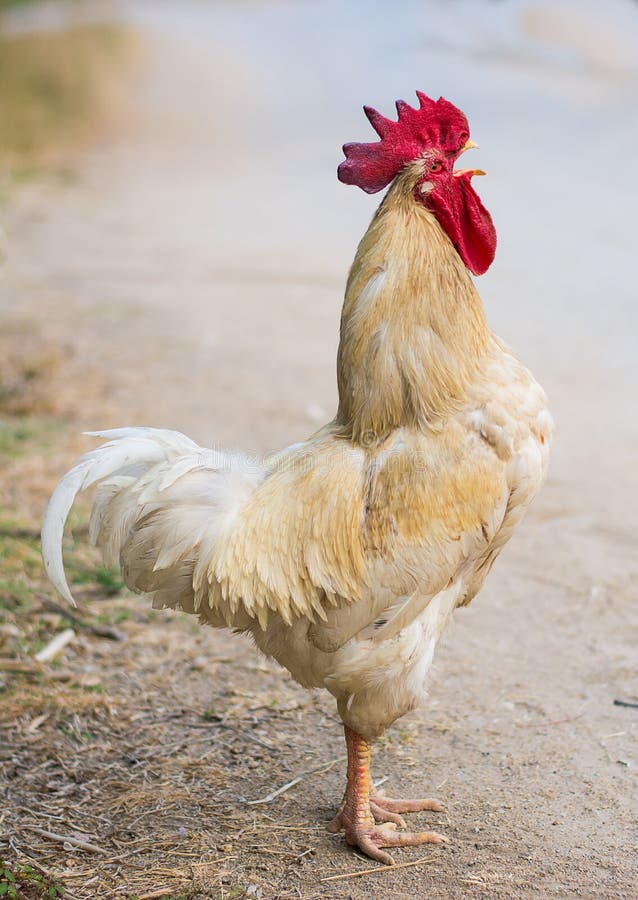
pixel 345 555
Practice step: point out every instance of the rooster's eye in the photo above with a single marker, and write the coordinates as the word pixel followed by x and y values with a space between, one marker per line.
pixel 436 166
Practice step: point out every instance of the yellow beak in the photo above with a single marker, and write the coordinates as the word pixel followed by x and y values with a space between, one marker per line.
pixel 469 172
pixel 468 145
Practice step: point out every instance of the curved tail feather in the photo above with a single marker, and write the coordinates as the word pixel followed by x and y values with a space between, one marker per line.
pixel 160 498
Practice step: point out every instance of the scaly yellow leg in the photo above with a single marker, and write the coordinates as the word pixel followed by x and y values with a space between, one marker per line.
pixel 361 806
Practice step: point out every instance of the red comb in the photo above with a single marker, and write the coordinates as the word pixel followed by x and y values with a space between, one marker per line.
pixel 435 124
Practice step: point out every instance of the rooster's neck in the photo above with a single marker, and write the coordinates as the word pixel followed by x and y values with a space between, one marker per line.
pixel 413 331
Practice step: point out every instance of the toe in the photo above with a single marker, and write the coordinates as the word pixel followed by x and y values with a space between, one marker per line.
pixel 406 806
pixel 381 814
pixel 387 836
pixel 371 848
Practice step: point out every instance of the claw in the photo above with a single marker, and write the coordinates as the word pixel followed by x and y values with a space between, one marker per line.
pixel 382 814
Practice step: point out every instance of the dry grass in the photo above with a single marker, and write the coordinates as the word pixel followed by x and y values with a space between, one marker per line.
pixel 28 364
pixel 36 374
pixel 143 759
pixel 56 89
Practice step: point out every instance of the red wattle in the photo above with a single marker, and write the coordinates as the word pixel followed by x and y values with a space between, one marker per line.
pixel 466 222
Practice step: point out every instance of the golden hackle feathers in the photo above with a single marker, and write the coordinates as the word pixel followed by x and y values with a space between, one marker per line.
pixel 413 331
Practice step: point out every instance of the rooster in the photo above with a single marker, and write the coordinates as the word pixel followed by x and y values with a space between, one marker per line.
pixel 345 555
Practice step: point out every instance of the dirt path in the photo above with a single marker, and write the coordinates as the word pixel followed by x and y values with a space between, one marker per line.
pixel 197 265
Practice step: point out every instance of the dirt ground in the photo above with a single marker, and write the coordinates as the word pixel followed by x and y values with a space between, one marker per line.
pixel 190 276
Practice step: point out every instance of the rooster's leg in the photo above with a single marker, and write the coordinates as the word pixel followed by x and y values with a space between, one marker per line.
pixel 361 807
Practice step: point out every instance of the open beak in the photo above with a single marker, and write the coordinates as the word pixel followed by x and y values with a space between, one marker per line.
pixel 468 145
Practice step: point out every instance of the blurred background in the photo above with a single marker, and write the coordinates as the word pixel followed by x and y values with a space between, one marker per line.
pixel 174 245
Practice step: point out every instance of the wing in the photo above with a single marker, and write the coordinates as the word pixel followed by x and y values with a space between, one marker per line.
pixel 434 505
pixel 296 546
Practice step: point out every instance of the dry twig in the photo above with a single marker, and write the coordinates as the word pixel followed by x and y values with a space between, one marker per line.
pixel 286 787
pixel 273 794
pixel 65 839
pixel 104 631
pixel 18 665
pixel 162 892
pixel 548 722
pixel 55 645
pixel 416 862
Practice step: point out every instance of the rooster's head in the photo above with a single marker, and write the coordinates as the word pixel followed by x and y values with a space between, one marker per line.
pixel 427 141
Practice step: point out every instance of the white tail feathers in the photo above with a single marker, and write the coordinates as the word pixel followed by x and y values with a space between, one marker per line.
pixel 161 504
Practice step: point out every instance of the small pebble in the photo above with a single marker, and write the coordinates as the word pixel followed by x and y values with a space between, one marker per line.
pixel 199 663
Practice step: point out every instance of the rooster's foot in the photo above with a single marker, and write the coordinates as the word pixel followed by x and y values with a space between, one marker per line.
pixel 370 838
pixel 361 807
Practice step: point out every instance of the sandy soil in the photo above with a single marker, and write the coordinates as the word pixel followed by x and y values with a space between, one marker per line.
pixel 197 266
